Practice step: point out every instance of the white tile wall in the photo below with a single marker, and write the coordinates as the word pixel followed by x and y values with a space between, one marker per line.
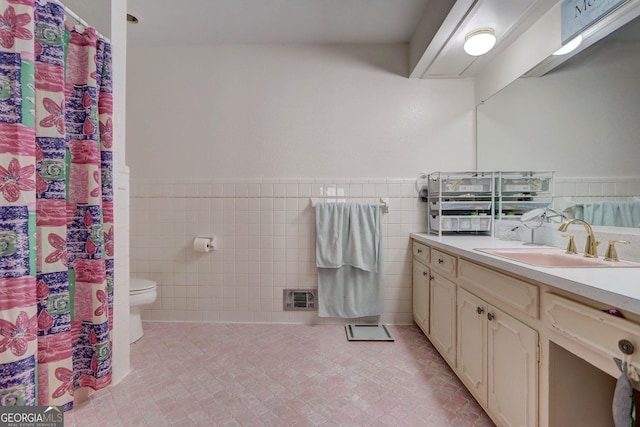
pixel 266 243
pixel 569 190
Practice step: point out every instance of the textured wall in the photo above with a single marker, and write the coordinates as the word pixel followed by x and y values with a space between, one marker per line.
pixel 219 112
pixel 232 141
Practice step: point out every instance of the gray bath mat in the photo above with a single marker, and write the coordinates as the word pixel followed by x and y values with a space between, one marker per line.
pixel 367 332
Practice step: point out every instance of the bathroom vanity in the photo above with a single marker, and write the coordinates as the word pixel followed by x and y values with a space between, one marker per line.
pixel 532 344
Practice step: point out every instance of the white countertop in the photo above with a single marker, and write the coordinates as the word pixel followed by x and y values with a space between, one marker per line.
pixel 618 287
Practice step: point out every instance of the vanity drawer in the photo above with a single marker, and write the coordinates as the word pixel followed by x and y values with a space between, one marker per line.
pixel 444 262
pixel 507 290
pixel 421 252
pixel 591 327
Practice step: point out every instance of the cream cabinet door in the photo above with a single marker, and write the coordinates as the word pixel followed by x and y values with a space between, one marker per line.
pixel 443 317
pixel 512 355
pixel 421 295
pixel 472 341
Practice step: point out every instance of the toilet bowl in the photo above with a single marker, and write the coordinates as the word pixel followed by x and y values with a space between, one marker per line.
pixel 142 292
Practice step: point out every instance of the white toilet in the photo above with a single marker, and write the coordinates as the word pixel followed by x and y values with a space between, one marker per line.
pixel 142 292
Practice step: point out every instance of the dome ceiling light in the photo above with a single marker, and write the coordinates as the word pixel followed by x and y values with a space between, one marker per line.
pixel 480 41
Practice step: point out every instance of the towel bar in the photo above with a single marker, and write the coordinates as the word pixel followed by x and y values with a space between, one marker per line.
pixel 384 201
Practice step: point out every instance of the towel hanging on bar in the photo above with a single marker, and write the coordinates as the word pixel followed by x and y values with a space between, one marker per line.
pixel 349 257
pixel 384 201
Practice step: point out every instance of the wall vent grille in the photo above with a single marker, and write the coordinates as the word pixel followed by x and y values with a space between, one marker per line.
pixel 300 299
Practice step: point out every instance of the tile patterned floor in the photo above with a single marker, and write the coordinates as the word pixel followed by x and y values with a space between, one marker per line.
pixel 208 374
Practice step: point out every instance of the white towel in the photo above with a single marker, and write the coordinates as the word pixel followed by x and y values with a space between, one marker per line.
pixel 347 234
pixel 362 249
pixel 331 233
pixel 349 252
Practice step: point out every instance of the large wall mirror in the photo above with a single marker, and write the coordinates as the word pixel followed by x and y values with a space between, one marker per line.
pixel 581 119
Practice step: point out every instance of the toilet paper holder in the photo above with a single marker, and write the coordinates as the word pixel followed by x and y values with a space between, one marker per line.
pixel 205 243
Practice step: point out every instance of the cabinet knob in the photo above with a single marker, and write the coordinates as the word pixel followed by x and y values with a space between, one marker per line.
pixel 490 316
pixel 419 251
pixel 626 346
pixel 479 310
pixel 440 260
pixel 424 273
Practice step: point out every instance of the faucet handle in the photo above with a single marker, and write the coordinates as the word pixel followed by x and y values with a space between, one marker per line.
pixel 571 245
pixel 612 254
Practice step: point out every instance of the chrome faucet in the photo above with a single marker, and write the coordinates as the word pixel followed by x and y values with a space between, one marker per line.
pixel 591 246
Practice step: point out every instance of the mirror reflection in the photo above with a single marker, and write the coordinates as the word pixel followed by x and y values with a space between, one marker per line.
pixel 582 120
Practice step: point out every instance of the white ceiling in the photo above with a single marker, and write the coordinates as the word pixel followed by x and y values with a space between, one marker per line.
pixel 434 28
pixel 445 56
pixel 274 21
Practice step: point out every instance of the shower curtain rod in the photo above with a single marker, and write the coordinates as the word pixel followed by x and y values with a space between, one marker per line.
pixel 81 21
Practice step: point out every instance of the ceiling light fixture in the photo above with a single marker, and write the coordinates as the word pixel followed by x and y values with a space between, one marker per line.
pixel 569 47
pixel 479 42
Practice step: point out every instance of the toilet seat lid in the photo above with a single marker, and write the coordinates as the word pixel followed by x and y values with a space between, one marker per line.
pixel 141 284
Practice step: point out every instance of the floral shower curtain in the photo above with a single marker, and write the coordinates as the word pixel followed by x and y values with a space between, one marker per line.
pixel 56 206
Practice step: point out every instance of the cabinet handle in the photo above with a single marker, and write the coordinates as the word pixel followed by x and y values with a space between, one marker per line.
pixel 424 273
pixel 419 251
pixel 626 346
pixel 440 261
pixel 490 316
pixel 479 310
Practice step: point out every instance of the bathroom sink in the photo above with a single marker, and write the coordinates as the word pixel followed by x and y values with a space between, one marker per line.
pixel 554 257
